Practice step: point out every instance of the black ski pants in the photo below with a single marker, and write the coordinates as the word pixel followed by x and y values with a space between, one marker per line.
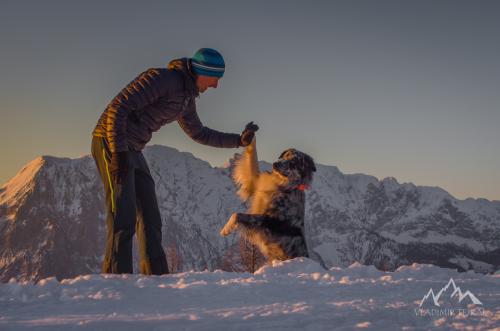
pixel 131 208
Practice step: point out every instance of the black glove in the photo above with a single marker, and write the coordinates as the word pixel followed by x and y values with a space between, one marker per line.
pixel 247 135
pixel 118 167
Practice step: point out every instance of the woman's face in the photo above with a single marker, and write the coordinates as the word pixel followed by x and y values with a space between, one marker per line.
pixel 204 82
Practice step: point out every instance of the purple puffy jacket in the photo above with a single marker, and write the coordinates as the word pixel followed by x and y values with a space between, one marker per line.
pixel 156 97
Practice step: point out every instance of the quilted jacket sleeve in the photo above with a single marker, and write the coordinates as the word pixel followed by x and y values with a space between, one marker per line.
pixel 190 122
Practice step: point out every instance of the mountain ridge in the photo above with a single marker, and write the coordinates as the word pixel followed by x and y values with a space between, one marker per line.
pixel 50 158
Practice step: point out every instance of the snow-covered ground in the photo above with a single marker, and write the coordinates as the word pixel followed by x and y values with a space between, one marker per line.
pixel 291 295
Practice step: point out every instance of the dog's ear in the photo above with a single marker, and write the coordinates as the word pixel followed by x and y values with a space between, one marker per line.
pixel 307 164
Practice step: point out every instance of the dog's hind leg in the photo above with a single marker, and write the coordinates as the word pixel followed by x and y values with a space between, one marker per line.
pixel 230 226
pixel 256 229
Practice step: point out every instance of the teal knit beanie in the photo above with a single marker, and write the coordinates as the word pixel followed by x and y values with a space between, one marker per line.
pixel 208 62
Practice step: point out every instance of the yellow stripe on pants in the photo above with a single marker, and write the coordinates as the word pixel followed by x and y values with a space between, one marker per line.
pixel 110 181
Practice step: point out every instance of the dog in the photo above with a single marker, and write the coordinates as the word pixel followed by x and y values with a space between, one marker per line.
pixel 274 222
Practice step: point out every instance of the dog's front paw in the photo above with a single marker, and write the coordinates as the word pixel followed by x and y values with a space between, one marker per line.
pixel 230 226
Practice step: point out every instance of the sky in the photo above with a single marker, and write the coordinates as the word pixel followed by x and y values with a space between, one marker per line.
pixel 404 89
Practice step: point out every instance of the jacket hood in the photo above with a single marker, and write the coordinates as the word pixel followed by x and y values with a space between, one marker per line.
pixel 183 65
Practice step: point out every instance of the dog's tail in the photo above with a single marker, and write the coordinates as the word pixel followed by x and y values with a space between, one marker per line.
pixel 246 172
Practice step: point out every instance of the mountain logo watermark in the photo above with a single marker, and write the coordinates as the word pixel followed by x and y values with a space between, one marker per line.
pixel 456 303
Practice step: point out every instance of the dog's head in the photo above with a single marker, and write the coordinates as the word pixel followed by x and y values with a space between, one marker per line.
pixel 298 167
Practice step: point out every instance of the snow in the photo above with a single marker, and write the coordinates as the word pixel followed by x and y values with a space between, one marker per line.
pixel 292 295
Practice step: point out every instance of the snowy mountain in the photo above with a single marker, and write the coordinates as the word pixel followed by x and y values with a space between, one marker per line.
pixel 52 219
pixel 291 295
pixel 387 224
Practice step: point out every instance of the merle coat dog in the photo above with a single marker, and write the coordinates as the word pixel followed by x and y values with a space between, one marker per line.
pixel 275 219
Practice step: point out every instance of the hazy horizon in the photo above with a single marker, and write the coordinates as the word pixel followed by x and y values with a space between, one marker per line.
pixel 389 89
